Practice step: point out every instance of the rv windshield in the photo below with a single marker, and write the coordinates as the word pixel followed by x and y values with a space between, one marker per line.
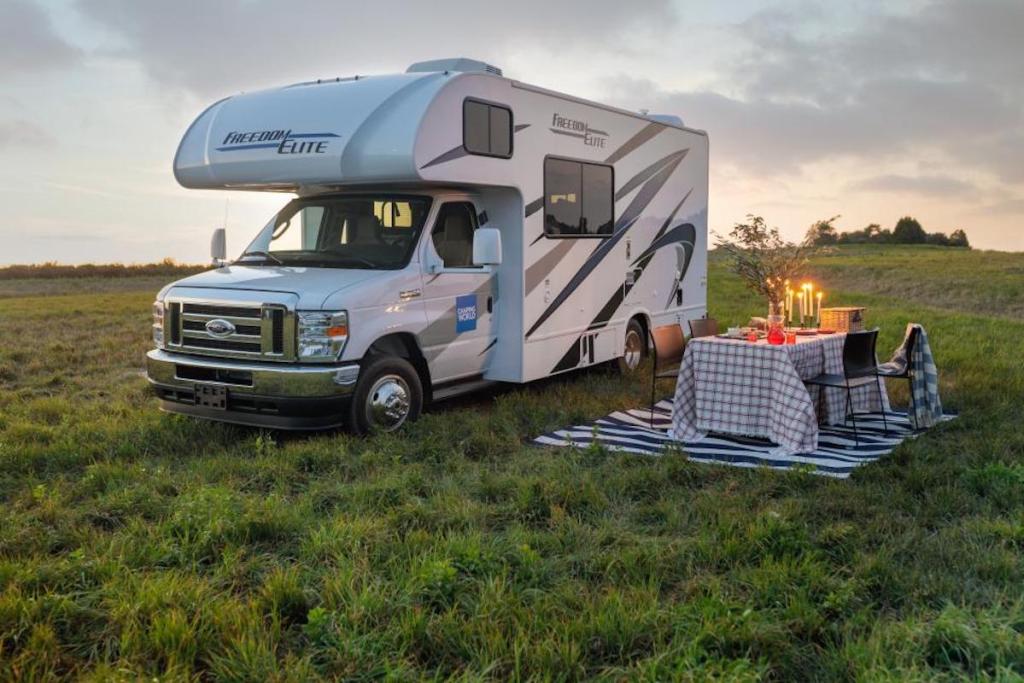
pixel 376 232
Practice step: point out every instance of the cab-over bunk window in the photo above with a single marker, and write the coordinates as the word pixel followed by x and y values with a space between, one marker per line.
pixel 578 198
pixel 487 129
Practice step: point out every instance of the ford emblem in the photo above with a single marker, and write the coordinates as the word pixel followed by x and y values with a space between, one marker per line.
pixel 218 327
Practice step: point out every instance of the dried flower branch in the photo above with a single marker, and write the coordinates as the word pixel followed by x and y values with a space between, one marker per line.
pixel 762 259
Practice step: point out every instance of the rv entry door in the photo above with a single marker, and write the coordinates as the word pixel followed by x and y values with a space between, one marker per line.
pixel 459 298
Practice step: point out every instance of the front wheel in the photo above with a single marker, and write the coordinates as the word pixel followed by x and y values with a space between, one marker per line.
pixel 634 348
pixel 388 394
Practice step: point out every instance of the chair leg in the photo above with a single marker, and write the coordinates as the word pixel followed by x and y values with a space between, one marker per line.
pixel 881 405
pixel 853 418
pixel 654 387
pixel 913 402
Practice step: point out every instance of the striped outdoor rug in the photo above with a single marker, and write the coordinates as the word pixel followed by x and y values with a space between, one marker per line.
pixel 837 454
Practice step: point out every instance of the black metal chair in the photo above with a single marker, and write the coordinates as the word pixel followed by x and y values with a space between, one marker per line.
pixel 703 327
pixel 860 368
pixel 669 344
pixel 894 371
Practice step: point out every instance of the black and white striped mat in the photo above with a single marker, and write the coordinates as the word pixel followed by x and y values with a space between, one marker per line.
pixel 837 454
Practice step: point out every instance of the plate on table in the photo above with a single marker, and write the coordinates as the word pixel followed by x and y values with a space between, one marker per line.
pixel 806 333
pixel 826 331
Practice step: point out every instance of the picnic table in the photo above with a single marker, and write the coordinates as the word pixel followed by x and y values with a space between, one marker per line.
pixel 755 389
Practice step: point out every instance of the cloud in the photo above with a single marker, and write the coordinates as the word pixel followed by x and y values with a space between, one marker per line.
pixel 24 134
pixel 928 185
pixel 28 41
pixel 216 47
pixel 1007 207
pixel 813 86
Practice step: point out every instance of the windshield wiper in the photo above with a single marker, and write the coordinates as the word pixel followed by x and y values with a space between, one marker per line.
pixel 265 254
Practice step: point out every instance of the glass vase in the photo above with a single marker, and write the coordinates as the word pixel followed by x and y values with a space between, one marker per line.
pixel 776 323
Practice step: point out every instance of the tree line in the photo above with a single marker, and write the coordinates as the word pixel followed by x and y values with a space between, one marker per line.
pixel 907 230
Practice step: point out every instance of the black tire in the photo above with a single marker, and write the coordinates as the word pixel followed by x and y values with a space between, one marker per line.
pixel 388 395
pixel 634 348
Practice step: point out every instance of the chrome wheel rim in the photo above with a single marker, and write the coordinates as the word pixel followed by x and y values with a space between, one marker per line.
pixel 387 405
pixel 634 350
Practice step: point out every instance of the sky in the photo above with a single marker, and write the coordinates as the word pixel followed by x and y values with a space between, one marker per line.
pixel 868 110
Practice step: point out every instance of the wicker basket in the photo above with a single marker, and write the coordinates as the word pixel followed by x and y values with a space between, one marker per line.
pixel 845 319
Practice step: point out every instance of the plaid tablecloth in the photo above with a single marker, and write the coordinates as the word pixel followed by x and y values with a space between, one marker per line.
pixel 756 389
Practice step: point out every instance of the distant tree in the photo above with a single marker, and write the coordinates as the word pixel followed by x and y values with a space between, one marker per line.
pixel 868 235
pixel 959 239
pixel 823 233
pixel 938 239
pixel 909 231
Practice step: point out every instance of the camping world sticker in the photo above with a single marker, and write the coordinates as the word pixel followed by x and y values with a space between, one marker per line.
pixel 465 313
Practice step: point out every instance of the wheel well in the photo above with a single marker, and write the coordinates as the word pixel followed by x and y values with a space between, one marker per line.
pixel 645 325
pixel 404 345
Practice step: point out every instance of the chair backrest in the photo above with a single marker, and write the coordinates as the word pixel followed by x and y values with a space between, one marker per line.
pixel 703 327
pixel 911 342
pixel 669 342
pixel 859 353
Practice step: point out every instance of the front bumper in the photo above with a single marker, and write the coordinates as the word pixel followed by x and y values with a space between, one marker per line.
pixel 273 395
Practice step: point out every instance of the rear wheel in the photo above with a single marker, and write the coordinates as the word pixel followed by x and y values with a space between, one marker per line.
pixel 389 394
pixel 634 348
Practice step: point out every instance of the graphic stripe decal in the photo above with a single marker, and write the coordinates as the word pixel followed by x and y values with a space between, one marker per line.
pixel 460 151
pixel 543 266
pixel 489 346
pixel 622 226
pixel 645 134
pixel 534 206
pixel 617 297
pixel 643 175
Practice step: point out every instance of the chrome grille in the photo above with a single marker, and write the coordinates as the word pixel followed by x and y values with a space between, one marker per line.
pixel 264 332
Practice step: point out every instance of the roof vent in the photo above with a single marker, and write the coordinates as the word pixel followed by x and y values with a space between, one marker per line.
pixel 453 64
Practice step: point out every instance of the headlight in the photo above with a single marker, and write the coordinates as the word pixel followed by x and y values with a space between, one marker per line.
pixel 322 334
pixel 158 324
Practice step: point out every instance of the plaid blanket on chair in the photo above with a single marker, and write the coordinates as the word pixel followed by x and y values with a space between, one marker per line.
pixel 924 383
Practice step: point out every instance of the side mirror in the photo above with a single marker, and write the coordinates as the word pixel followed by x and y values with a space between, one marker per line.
pixel 487 247
pixel 219 247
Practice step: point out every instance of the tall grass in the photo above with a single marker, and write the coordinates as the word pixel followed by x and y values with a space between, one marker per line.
pixel 135 544
pixel 51 270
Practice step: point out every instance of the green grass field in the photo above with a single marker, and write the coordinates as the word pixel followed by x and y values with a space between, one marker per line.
pixel 135 544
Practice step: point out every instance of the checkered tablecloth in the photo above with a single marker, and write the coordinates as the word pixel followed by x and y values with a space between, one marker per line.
pixel 756 389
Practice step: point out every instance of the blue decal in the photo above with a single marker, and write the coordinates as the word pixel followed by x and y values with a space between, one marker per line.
pixel 285 141
pixel 465 313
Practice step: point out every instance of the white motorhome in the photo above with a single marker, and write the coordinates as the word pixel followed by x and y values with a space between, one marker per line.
pixel 451 228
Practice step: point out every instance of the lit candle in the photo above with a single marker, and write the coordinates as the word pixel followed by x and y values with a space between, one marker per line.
pixel 818 317
pixel 800 296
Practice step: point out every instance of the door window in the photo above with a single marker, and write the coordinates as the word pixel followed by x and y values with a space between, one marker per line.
pixel 453 234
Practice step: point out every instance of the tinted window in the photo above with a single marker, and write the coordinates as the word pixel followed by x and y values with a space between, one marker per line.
pixel 578 198
pixel 476 128
pixel 486 129
pixel 597 200
pixel 562 189
pixel 501 132
pixel 453 234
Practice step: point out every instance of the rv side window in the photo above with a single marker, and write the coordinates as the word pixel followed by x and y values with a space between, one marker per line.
pixel 453 234
pixel 578 199
pixel 487 129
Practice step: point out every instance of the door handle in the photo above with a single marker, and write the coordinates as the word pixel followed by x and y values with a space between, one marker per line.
pixel 490 304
